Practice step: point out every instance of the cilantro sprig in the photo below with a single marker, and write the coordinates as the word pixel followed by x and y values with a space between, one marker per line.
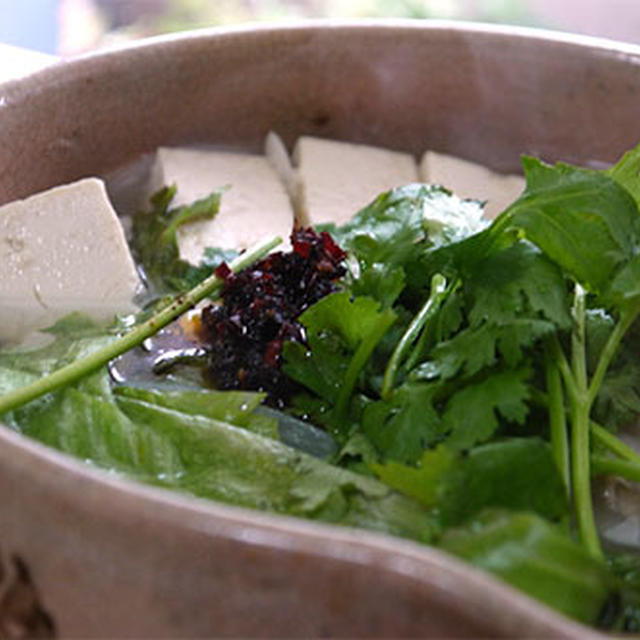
pixel 515 330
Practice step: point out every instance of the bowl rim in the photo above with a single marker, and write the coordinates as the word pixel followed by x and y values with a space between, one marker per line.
pixel 252 526
pixel 627 50
pixel 421 563
pixel 360 24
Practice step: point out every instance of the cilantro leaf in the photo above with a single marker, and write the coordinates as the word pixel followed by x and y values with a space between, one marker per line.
pixel 515 473
pixel 155 244
pixel 381 282
pixel 626 172
pixel 422 482
pixel 469 351
pixel 582 219
pixel 513 298
pixel 342 331
pixel 514 282
pixel 471 414
pixel 402 427
pixel 398 229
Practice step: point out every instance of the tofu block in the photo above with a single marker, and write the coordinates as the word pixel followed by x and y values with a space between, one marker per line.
pixel 256 204
pixel 337 179
pixel 470 180
pixel 63 250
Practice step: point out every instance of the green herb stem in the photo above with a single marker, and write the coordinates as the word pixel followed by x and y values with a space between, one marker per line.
pixel 420 320
pixel 581 476
pixel 560 361
pixel 360 357
pixel 598 433
pixel 578 339
pixel 580 421
pixel 558 422
pixel 613 466
pixel 613 443
pixel 433 329
pixel 628 316
pixel 76 370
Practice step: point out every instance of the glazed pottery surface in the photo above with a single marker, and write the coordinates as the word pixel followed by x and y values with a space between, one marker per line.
pixel 85 553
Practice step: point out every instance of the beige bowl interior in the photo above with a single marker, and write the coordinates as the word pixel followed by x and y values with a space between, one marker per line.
pixel 102 557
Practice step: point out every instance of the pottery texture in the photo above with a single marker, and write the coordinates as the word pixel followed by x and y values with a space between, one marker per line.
pixel 83 553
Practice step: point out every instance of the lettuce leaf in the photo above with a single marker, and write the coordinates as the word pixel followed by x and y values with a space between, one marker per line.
pixel 207 443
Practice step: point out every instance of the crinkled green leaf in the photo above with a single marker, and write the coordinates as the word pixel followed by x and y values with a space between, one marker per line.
pixel 472 415
pixel 337 327
pixel 232 464
pixel 424 481
pixel 154 239
pixel 582 219
pixel 351 318
pixel 515 473
pixel 471 350
pixel 390 230
pixel 404 426
pixel 399 228
pixel 537 558
pixel 235 407
pixel 210 444
pixel 626 172
pixel 381 282
pixel 515 282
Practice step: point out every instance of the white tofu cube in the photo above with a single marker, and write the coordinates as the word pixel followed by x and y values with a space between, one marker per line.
pixel 62 250
pixel 470 180
pixel 337 179
pixel 256 204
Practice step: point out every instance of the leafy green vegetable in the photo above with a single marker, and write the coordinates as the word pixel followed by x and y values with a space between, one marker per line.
pixel 539 305
pixel 530 554
pixel 211 444
pixel 155 240
pixel 471 415
pixel 235 407
pixel 625 615
pixel 458 371
pixel 404 425
pixel 517 473
pixel 390 237
pixel 582 219
pixel 423 481
pixel 342 332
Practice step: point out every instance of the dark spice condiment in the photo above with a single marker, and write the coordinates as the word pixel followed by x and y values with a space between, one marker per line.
pixel 259 312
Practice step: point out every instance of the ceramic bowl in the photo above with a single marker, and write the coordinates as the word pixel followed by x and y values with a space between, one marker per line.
pixel 86 554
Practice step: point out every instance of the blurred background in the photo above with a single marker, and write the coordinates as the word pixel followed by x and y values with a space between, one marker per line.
pixel 69 27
